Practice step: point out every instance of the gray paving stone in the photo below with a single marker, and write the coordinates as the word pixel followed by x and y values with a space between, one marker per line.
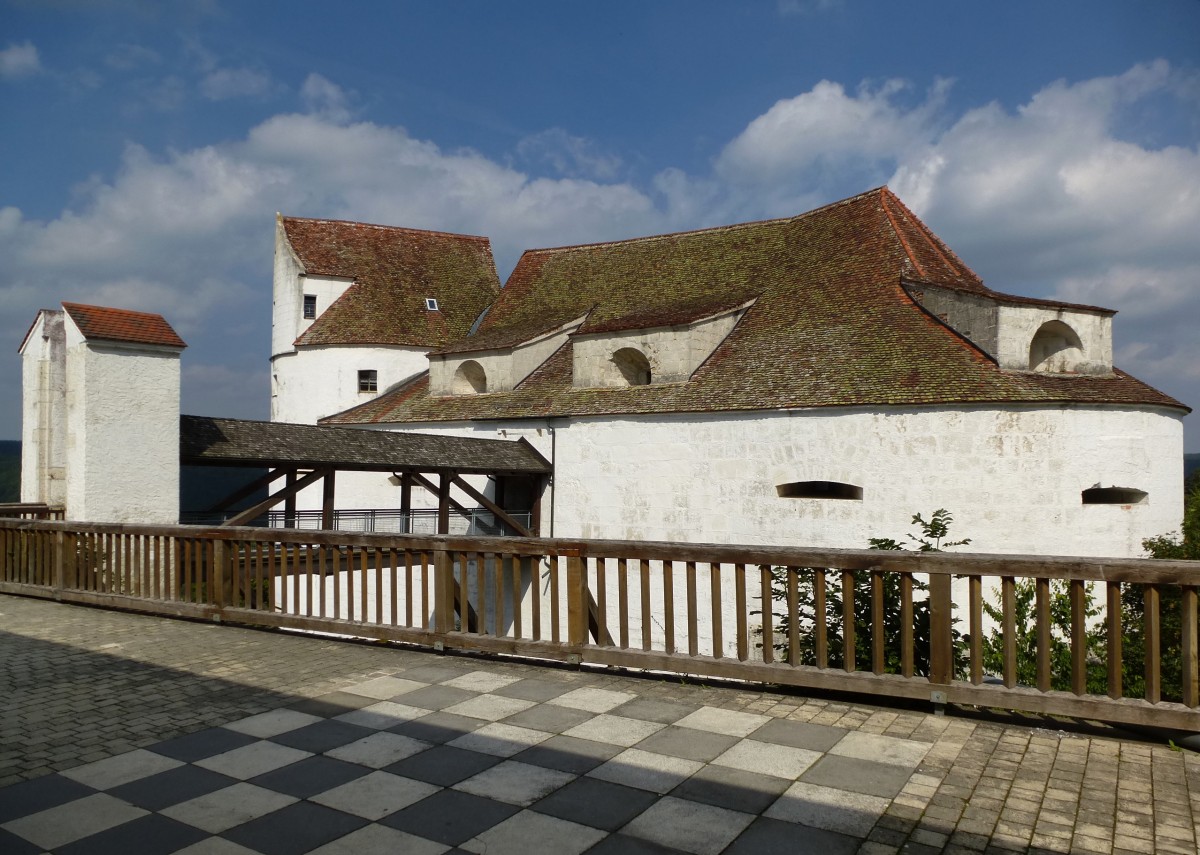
pixel 855 775
pixel 691 826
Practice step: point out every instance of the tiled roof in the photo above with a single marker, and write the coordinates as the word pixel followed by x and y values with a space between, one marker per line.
pixel 99 323
pixel 236 442
pixel 831 324
pixel 394 271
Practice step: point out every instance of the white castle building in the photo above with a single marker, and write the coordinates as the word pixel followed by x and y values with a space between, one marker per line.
pixel 813 380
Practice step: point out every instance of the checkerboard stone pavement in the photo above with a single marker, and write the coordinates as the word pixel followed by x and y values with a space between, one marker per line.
pixel 418 753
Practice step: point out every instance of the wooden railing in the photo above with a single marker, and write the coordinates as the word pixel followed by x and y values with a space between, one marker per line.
pixel 881 623
pixel 30 511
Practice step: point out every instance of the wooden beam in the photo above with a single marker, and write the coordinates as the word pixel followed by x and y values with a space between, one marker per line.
pixel 327 499
pixel 289 504
pixel 271 501
pixel 492 506
pixel 443 494
pixel 420 479
pixel 406 484
pixel 248 489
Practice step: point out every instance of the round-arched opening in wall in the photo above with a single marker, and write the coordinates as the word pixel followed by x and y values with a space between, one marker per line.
pixel 1114 496
pixel 820 490
pixel 469 379
pixel 633 365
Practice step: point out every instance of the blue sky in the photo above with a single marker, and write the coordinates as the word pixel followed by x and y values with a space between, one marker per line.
pixel 145 147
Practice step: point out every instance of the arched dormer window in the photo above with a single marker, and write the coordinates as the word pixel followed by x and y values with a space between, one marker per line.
pixel 633 365
pixel 1055 349
pixel 469 379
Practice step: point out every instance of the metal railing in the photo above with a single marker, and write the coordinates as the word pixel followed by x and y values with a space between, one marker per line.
pixel 474 522
pixel 871 622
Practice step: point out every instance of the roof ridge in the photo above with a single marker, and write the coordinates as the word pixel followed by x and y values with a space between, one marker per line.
pixel 707 230
pixel 945 252
pixel 383 227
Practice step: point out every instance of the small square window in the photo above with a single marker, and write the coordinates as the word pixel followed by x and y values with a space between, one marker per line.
pixel 431 304
pixel 368 381
pixel 310 306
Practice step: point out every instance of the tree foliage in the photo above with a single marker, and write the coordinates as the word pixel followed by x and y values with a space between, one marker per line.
pixel 931 538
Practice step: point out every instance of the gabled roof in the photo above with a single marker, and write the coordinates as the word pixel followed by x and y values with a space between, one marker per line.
pixel 831 324
pixel 208 441
pixel 100 324
pixel 394 270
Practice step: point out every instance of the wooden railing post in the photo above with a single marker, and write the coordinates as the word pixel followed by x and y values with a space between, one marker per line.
pixel 60 548
pixel 443 591
pixel 1190 653
pixel 577 598
pixel 941 639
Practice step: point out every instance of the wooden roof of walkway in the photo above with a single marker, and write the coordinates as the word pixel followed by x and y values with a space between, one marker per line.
pixel 305 454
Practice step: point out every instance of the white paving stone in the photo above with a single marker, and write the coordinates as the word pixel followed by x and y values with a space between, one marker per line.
pixel 481 681
pixel 825 807
pixel 253 759
pixel 115 771
pixel 515 783
pixel 881 749
pixel 592 700
pixel 730 722
pixel 646 770
pixel 73 821
pixel 780 761
pixel 615 730
pixel 385 688
pixel 381 840
pixel 376 795
pixel 382 715
pixel 528 832
pixel 501 740
pixel 490 707
pixel 691 826
pixel 216 846
pixel 268 724
pixel 379 750
pixel 221 810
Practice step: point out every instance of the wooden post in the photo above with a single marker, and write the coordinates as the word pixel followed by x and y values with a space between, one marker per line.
pixel 327 499
pixel 443 520
pixel 406 483
pixel 60 540
pixel 576 601
pixel 289 504
pixel 535 513
pixel 443 591
pixel 1190 653
pixel 941 641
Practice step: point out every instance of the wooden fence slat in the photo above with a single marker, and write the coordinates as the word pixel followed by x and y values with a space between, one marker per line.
pixel 820 619
pixel 1041 608
pixel 714 600
pixel 793 614
pixel 623 601
pixel 878 628
pixel 644 570
pixel 849 636
pixel 1189 620
pixel 602 601
pixel 1009 620
pixel 668 577
pixel 1153 638
pixel 907 651
pixel 768 621
pixel 1116 670
pixel 693 630
pixel 1078 637
pixel 743 632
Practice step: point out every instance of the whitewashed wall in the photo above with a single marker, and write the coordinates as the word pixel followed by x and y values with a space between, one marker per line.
pixel 314 382
pixel 43 411
pixel 1011 477
pixel 122 415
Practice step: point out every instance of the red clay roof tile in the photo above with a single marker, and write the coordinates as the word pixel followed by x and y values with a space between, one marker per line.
pixel 99 323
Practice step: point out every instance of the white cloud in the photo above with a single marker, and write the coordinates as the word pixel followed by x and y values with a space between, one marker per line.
pixel 1044 199
pixel 224 83
pixel 19 61
pixel 324 97
pixel 568 155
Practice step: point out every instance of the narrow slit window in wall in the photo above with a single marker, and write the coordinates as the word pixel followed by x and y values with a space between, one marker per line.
pixel 1114 496
pixel 310 306
pixel 820 490
pixel 368 381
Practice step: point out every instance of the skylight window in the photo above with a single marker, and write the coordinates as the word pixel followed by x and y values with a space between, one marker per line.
pixel 431 304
